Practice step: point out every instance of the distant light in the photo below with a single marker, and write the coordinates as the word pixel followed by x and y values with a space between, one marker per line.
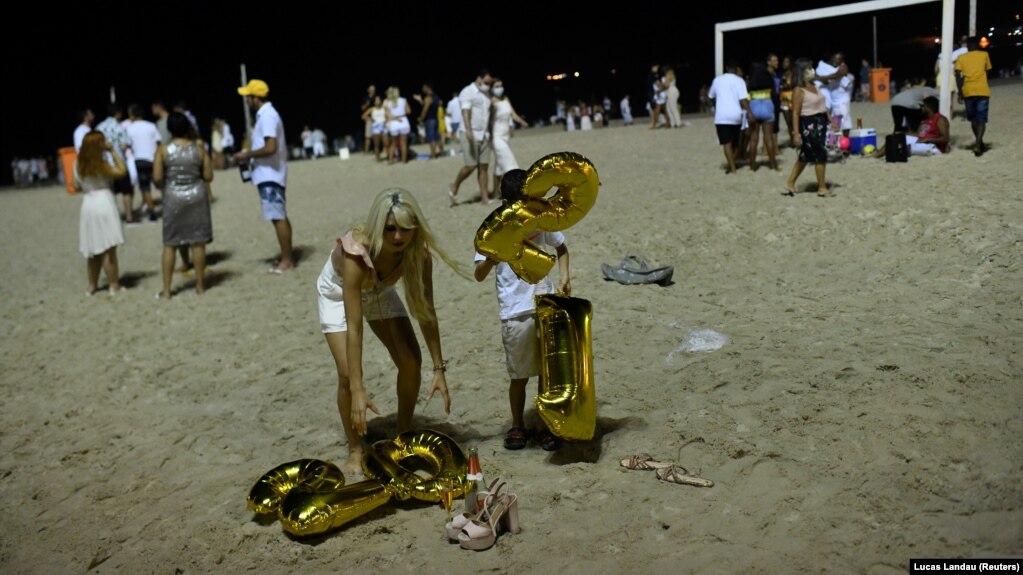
pixel 937 40
pixel 576 74
pixel 613 71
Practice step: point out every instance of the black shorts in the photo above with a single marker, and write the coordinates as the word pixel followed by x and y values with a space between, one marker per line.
pixel 145 171
pixel 123 186
pixel 728 133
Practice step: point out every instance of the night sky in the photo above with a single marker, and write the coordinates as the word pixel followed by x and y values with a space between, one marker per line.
pixel 318 58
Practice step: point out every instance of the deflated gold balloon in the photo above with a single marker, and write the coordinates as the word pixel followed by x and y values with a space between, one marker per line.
pixel 503 235
pixel 310 496
pixel 567 401
pixel 266 495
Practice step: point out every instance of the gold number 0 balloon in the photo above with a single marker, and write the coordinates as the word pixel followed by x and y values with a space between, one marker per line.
pixel 503 235
pixel 567 400
pixel 310 497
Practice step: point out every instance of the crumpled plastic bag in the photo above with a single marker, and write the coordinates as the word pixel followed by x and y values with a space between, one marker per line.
pixel 700 340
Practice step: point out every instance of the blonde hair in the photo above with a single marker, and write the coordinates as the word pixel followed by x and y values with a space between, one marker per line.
pixel 393 94
pixel 407 214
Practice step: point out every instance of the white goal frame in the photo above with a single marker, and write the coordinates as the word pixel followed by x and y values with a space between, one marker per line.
pixel 947 39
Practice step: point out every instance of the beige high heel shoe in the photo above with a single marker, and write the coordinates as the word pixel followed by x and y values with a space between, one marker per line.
pixel 455 526
pixel 503 516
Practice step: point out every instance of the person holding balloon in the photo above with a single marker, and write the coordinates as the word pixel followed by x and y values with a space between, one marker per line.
pixel 517 313
pixel 358 281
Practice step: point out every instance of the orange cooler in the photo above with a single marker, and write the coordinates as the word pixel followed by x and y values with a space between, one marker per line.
pixel 880 86
pixel 67 161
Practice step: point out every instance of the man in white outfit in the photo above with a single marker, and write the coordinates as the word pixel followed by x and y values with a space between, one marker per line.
pixel 475 102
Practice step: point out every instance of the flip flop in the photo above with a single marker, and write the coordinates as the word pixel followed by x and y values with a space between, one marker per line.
pixel 634 271
pixel 275 271
pixel 644 462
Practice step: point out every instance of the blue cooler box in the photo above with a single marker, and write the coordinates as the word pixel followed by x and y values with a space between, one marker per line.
pixel 860 138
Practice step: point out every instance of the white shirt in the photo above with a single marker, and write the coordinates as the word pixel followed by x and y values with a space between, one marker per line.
pixel 514 295
pixel 454 111
pixel 273 168
pixel 227 137
pixel 825 69
pixel 80 133
pixel 959 52
pixel 473 99
pixel 841 91
pixel 145 138
pixel 727 90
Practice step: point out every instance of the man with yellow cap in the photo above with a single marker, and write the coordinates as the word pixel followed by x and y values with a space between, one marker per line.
pixel 268 156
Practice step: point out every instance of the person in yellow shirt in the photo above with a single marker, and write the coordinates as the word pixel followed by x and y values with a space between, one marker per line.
pixel 972 67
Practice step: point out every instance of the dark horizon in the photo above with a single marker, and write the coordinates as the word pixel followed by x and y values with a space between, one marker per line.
pixel 318 76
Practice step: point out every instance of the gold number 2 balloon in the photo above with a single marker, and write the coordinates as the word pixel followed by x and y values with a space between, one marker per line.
pixel 502 236
pixel 310 497
pixel 567 400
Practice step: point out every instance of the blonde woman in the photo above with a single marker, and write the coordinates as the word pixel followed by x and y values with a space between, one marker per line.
pixel 397 124
pixel 357 282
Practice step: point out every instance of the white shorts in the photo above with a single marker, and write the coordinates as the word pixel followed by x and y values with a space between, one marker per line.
pixel 379 303
pixel 919 149
pixel 399 127
pixel 521 346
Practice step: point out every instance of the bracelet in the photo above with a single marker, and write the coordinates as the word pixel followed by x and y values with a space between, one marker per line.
pixel 443 366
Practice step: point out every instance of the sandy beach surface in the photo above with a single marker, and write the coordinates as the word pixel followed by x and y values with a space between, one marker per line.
pixel 867 409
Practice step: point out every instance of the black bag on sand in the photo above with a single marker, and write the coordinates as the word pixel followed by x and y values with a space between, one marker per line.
pixel 895 149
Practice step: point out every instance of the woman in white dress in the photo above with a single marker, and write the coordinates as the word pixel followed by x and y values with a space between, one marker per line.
pixel 100 230
pixel 672 94
pixel 501 116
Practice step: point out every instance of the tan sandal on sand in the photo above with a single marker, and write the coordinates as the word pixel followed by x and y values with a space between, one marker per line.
pixel 644 462
pixel 680 475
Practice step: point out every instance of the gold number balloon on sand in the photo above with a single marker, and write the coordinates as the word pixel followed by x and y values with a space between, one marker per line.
pixel 310 497
pixel 567 400
pixel 503 235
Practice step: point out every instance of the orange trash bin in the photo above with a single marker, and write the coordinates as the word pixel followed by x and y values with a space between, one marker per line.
pixel 880 87
pixel 67 162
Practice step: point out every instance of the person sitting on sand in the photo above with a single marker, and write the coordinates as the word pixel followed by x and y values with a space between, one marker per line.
pixel 932 137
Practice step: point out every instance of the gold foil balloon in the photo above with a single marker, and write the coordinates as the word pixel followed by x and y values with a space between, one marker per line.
pixel 310 497
pixel 503 234
pixel 266 495
pixel 429 452
pixel 567 400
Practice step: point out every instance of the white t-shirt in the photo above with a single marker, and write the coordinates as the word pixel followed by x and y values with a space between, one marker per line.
pixel 454 112
pixel 145 138
pixel 272 168
pixel 471 98
pixel 227 138
pixel 80 133
pixel 959 52
pixel 727 90
pixel 514 295
pixel 841 91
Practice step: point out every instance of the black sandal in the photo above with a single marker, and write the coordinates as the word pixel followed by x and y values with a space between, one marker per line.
pixel 516 438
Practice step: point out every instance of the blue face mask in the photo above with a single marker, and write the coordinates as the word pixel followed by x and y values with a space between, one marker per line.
pixel 499 91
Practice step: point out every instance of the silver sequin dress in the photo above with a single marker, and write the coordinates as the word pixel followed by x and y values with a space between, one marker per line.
pixel 186 205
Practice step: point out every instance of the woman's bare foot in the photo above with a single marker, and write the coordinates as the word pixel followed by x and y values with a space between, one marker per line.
pixel 790 189
pixel 353 464
pixel 825 193
pixel 90 290
pixel 164 295
pixel 116 289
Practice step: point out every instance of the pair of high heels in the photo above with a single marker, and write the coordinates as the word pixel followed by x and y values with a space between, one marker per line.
pixel 500 513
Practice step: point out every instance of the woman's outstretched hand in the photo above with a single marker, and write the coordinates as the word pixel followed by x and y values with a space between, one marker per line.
pixel 360 403
pixel 440 384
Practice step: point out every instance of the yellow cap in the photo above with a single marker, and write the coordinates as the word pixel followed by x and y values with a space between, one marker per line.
pixel 255 88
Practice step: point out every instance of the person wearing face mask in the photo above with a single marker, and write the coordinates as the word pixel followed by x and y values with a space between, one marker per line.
pixel 473 134
pixel 501 116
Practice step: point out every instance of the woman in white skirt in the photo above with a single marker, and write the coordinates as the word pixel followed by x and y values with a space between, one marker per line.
pixel 99 222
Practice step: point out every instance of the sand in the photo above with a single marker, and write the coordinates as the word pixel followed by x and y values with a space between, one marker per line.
pixel 867 409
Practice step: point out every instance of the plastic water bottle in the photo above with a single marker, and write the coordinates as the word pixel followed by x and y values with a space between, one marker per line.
pixel 474 477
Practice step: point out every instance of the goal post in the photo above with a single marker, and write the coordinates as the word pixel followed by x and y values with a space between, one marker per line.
pixel 947 31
